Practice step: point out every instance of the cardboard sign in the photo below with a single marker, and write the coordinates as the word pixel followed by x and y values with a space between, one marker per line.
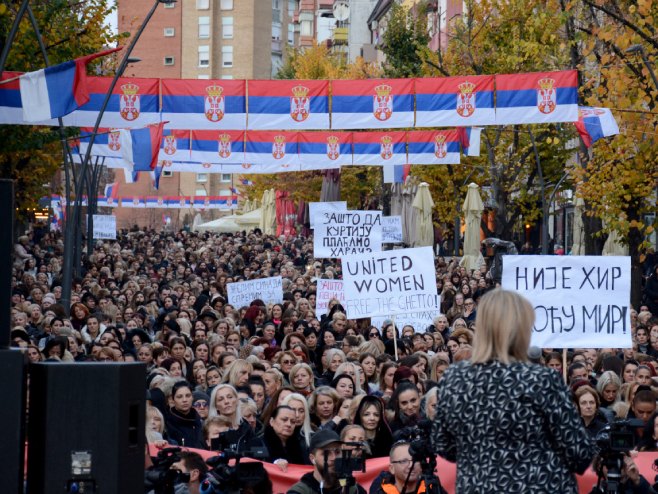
pixel 105 226
pixel 344 233
pixel 419 320
pixel 392 229
pixel 390 282
pixel 317 209
pixel 242 293
pixel 327 290
pixel 579 301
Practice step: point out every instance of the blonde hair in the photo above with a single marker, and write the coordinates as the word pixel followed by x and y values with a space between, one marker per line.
pixel 306 430
pixel 232 372
pixel 504 321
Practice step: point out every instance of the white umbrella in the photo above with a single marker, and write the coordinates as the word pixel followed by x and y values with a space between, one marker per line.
pixel 268 224
pixel 423 205
pixel 613 245
pixel 396 199
pixel 246 206
pixel 472 208
pixel 578 246
pixel 407 212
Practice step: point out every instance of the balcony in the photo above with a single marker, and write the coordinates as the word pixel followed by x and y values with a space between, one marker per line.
pixel 276 46
pixel 340 35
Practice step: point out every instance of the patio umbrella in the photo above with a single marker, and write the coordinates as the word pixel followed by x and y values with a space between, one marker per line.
pixel 268 216
pixel 423 205
pixel 407 213
pixel 330 186
pixel 473 214
pixel 396 199
pixel 578 246
pixel 613 245
pixel 246 207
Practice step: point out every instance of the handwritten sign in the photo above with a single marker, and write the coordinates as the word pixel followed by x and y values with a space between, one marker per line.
pixel 242 293
pixel 345 233
pixel 317 209
pixel 418 320
pixel 392 229
pixel 105 226
pixel 390 282
pixel 327 290
pixel 579 301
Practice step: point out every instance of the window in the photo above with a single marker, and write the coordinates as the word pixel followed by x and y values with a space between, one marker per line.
pixel 169 60
pixel 200 192
pixel 202 177
pixel 227 56
pixel 203 76
pixel 169 32
pixel 202 4
pixel 167 173
pixel 170 5
pixel 204 56
pixel 226 177
pixel 306 28
pixel 227 77
pixel 276 32
pixel 227 27
pixel 291 34
pixel 204 27
pixel 226 5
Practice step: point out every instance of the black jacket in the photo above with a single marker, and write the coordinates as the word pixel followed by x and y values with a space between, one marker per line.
pixel 291 451
pixel 185 429
pixel 308 485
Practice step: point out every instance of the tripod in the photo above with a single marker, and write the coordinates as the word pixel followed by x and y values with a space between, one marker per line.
pixel 427 476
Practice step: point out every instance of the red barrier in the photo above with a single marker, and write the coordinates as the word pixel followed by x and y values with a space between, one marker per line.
pixel 282 481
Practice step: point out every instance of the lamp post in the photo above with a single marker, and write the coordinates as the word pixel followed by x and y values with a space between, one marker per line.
pixel 73 230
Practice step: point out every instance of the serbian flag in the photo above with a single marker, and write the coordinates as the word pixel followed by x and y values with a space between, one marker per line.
pixel 112 190
pixel 379 148
pixel 156 202
pixel 288 105
pixel 179 202
pixel 455 101
pixel 133 202
pixel 210 146
pixel 204 104
pixel 246 182
pixel 538 97
pixel 325 150
pixel 58 90
pixel 272 148
pixel 372 104
pixel 433 147
pixel 134 103
pixel 595 123
pixel 396 174
pixel 106 143
pixel 156 175
pixel 470 140
pixel 175 145
pixel 140 147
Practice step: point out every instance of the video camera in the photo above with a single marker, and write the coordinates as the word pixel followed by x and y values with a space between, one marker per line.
pixel 160 478
pixel 417 436
pixel 350 460
pixel 614 441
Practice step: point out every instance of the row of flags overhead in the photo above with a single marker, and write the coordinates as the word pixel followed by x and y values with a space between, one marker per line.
pixel 184 150
pixel 170 202
pixel 461 101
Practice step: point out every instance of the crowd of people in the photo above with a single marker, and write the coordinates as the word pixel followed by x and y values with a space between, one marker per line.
pixel 266 379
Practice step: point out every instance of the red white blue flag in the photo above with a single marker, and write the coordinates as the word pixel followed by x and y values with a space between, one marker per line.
pixel 133 202
pixel 372 104
pixel 140 147
pixel 288 105
pixel 433 147
pixel 210 146
pixel 134 103
pixel 204 104
pixel 379 148
pixel 272 148
pixel 106 143
pixel 325 150
pixel 470 140
pixel 595 123
pixel 175 145
pixel 58 90
pixel 538 97
pixel 455 101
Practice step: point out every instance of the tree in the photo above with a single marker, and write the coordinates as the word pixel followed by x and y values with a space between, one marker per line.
pixel 404 39
pixel 32 155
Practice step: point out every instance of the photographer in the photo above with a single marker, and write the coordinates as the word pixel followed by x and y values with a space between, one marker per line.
pixel 632 482
pixel 175 472
pixel 325 448
pixel 192 464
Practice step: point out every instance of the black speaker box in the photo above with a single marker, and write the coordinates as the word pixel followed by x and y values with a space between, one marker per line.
pixel 12 421
pixel 86 428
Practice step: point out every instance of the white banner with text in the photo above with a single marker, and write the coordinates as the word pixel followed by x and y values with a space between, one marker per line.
pixel 242 293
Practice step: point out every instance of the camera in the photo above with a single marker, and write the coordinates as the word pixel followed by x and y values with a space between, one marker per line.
pixel 160 478
pixel 418 438
pixel 614 442
pixel 241 477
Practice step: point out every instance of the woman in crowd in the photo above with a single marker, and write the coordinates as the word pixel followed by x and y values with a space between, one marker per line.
pixel 182 421
pixel 370 414
pixel 301 378
pixel 404 406
pixel 587 402
pixel 538 437
pixel 323 404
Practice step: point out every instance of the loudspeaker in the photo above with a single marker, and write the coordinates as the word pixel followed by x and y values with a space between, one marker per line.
pixel 86 428
pixel 12 421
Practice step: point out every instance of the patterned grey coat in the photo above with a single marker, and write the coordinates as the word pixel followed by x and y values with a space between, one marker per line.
pixel 510 428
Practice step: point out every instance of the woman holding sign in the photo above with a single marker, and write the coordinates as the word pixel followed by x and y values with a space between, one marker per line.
pixel 510 425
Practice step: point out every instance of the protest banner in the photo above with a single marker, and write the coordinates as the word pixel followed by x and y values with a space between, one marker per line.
pixel 418 320
pixel 327 290
pixel 338 234
pixel 316 209
pixel 579 301
pixel 391 229
pixel 105 226
pixel 269 290
pixel 390 282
